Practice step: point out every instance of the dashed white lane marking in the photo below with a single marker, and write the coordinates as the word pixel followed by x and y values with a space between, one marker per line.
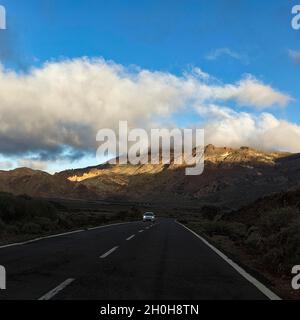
pixel 109 252
pixel 129 238
pixel 141 231
pixel 56 290
pixel 267 292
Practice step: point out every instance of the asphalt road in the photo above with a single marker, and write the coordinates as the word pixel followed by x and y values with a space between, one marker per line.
pixel 128 261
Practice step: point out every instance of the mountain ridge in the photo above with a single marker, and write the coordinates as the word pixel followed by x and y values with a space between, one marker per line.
pixel 231 177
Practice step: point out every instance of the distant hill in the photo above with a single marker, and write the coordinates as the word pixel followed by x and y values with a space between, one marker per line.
pixel 232 177
pixel 41 184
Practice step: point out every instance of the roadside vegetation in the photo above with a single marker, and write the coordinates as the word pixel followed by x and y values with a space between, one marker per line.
pixel 23 217
pixel 269 244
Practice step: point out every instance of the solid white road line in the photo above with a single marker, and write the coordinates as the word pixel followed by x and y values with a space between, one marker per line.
pixel 56 290
pixel 267 292
pixel 38 239
pixel 110 225
pixel 61 234
pixel 109 252
pixel 129 238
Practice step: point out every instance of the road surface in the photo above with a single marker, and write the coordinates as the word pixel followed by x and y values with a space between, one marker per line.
pixel 126 261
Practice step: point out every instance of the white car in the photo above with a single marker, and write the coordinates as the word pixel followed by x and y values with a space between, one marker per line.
pixel 149 216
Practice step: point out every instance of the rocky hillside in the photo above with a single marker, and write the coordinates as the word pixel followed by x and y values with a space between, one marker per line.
pixel 232 177
pixel 41 184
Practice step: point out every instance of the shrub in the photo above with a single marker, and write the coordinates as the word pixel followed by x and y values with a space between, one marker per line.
pixel 276 219
pixel 11 229
pixel 63 221
pixel 254 240
pixel 209 212
pixel 134 213
pixel 31 228
pixel 233 230
pixel 2 224
pixel 45 223
pixel 281 250
pixel 2 227
pixel 24 208
pixel 276 239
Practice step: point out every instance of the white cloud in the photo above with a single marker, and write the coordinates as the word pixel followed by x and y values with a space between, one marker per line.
pixel 4 165
pixel 229 53
pixel 197 72
pixel 294 55
pixel 229 128
pixel 33 164
pixel 251 92
pixel 63 104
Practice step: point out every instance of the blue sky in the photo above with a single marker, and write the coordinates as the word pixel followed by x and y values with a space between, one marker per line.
pixel 225 38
